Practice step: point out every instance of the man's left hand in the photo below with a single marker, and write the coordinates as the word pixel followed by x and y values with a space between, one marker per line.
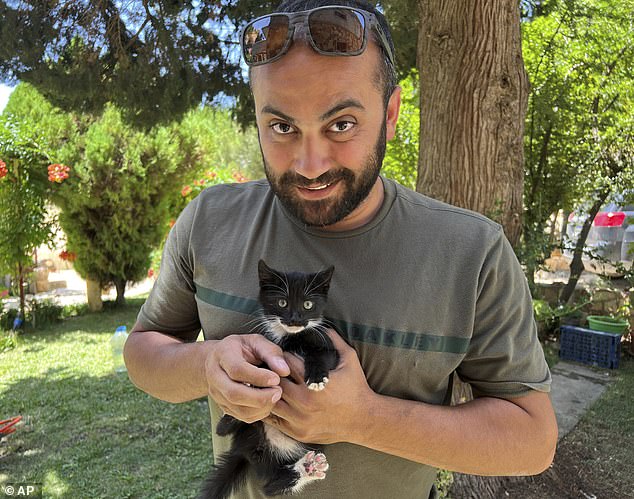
pixel 327 416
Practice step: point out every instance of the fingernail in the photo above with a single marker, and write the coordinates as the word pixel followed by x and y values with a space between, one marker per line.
pixel 277 396
pixel 281 365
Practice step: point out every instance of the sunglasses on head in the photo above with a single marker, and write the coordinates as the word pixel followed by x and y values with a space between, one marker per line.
pixel 330 30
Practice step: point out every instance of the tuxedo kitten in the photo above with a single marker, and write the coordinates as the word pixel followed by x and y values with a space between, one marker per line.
pixel 292 307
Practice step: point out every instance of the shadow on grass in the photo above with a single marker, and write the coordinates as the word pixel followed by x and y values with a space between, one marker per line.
pixel 89 322
pixel 92 436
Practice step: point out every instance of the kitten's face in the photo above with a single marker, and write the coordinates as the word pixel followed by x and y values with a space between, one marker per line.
pixel 292 301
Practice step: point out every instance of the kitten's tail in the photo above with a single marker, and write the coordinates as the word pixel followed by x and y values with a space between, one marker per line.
pixel 227 476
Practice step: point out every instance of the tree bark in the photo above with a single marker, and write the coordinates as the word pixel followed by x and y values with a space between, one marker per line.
pixel 474 95
pixel 473 101
pixel 120 286
pixel 93 295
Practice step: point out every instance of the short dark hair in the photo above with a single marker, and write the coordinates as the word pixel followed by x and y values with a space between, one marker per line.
pixel 386 79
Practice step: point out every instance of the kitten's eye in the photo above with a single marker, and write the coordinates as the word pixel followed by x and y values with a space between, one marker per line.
pixel 282 303
pixel 308 305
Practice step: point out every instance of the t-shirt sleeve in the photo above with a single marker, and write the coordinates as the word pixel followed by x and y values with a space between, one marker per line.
pixel 504 358
pixel 171 306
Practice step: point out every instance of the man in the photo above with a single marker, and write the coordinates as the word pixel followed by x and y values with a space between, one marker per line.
pixel 421 289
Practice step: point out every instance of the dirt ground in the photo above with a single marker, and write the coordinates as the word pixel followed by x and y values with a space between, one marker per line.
pixel 578 472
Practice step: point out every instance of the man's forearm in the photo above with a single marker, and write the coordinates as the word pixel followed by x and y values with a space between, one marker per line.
pixel 166 367
pixel 487 436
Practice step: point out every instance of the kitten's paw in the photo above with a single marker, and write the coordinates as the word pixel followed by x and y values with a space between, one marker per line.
pixel 317 386
pixel 312 466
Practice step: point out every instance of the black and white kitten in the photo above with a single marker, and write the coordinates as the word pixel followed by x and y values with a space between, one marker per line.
pixel 292 308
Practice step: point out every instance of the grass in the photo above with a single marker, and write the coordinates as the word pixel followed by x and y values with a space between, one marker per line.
pixel 91 432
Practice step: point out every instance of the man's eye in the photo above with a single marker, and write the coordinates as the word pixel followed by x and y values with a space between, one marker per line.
pixel 282 128
pixel 342 126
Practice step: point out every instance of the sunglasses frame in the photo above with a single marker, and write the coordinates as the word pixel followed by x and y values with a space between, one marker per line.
pixel 302 17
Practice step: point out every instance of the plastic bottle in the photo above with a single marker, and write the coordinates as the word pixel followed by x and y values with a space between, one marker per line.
pixel 117 341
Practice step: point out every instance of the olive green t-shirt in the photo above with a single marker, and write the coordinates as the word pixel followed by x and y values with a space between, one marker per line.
pixel 420 291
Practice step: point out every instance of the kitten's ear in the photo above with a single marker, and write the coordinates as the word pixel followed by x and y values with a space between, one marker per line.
pixel 323 278
pixel 265 273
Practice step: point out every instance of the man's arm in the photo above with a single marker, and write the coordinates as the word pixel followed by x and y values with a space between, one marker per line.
pixel 487 436
pixel 176 371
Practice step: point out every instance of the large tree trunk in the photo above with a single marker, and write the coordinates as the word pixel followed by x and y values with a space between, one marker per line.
pixel 474 94
pixel 473 100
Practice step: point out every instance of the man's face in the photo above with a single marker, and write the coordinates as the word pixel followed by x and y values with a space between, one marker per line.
pixel 322 129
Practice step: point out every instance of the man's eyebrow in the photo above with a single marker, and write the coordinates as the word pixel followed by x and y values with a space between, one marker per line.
pixel 340 107
pixel 271 110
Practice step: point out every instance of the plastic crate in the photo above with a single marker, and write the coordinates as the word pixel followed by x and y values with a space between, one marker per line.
pixel 595 348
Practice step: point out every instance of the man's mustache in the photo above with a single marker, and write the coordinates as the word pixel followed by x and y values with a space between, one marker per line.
pixel 325 178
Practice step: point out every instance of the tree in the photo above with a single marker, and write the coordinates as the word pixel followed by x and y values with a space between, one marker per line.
pixel 113 207
pixel 401 155
pixel 25 188
pixel 474 91
pixel 154 60
pixel 580 122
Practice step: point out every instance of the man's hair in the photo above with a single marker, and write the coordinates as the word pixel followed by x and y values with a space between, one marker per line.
pixel 385 77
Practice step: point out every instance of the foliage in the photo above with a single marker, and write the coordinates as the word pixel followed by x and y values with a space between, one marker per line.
pixel 26 184
pixel 579 139
pixel 401 157
pixel 8 340
pixel 155 60
pixel 24 223
pixel 7 317
pixel 114 205
pixel 43 312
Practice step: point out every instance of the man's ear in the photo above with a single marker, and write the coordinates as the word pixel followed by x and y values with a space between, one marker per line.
pixel 391 113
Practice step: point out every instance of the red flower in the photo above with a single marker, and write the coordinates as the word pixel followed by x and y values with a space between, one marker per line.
pixel 211 175
pixel 3 169
pixel 58 172
pixel 171 223
pixel 186 190
pixel 150 273
pixel 68 256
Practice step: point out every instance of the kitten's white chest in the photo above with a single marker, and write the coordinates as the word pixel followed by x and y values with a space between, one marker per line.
pixel 281 444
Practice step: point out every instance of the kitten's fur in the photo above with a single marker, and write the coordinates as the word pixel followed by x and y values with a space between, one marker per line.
pixel 292 305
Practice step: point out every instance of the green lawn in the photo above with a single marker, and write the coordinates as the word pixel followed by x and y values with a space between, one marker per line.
pixel 92 433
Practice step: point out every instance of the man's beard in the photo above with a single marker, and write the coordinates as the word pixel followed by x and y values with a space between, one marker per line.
pixel 329 211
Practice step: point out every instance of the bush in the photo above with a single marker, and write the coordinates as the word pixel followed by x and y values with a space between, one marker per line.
pixel 43 313
pixel 8 340
pixel 7 317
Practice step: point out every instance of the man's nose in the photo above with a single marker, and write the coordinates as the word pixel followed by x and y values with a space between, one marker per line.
pixel 313 158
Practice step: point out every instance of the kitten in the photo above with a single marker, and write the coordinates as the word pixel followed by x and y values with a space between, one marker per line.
pixel 292 305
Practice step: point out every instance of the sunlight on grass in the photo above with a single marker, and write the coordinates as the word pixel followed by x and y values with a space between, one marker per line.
pixel 54 485
pixel 92 433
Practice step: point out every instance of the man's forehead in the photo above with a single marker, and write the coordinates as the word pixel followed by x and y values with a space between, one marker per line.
pixel 304 77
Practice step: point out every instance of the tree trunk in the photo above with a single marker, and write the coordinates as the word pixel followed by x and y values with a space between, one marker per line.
pixel 576 266
pixel 22 297
pixel 93 294
pixel 474 95
pixel 473 100
pixel 120 286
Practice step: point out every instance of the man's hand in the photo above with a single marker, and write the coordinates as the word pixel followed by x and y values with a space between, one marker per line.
pixel 231 367
pixel 327 416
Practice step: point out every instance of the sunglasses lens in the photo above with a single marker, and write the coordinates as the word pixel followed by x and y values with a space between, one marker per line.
pixel 337 30
pixel 264 39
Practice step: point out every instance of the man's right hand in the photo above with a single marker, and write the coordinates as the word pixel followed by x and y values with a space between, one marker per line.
pixel 232 366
